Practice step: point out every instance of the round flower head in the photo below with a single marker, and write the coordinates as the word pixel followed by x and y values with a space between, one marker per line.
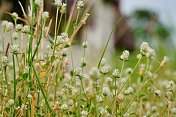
pixel 4 61
pixel 45 15
pixel 150 53
pixel 99 98
pixel 10 103
pixel 158 93
pixel 14 15
pixel 130 90
pixel 144 48
pixel 4 24
pixel 105 69
pixel 57 3
pixel 164 61
pixel 105 91
pixel 15 49
pixel 84 113
pixel 139 56
pixel 26 29
pixel 38 3
pixel 9 26
pixel 19 27
pixel 124 55
pixel 80 4
pixel 120 98
pixel 108 80
pixel 64 107
pixel 116 73
pixel 94 73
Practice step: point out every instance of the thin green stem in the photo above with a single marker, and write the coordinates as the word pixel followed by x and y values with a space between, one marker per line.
pixel 41 88
pixel 114 28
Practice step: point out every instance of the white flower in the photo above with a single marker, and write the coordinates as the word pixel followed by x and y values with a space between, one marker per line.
pixel 14 15
pixel 94 73
pixel 99 98
pixel 116 73
pixel 70 102
pixel 10 103
pixel 74 91
pixel 150 53
pixel 105 91
pixel 144 48
pixel 164 61
pixel 9 26
pixel 139 56
pixel 4 24
pixel 105 69
pixel 120 98
pixel 4 61
pixel 45 15
pixel 158 93
pixel 29 96
pixel 123 80
pixel 108 80
pixel 38 3
pixel 64 107
pixel 128 70
pixel 19 27
pixel 125 55
pixel 26 29
pixel 57 3
pixel 15 49
pixel 84 113
pixel 80 4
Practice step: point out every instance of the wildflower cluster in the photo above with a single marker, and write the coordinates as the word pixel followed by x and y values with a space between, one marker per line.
pixel 38 80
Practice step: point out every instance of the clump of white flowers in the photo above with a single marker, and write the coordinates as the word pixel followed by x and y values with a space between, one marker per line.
pixel 120 98
pixel 80 4
pixel 4 61
pixel 57 3
pixel 130 90
pixel 10 103
pixel 19 27
pixel 15 49
pixel 45 15
pixel 63 8
pixel 116 73
pixel 14 15
pixel 26 29
pixel 144 48
pixel 38 3
pixel 125 55
pixel 94 73
pixel 84 113
pixel 105 91
pixel 158 93
pixel 64 107
pixel 164 61
pixel 105 69
pixel 7 26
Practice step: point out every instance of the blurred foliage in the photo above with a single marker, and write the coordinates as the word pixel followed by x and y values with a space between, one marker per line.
pixel 146 25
